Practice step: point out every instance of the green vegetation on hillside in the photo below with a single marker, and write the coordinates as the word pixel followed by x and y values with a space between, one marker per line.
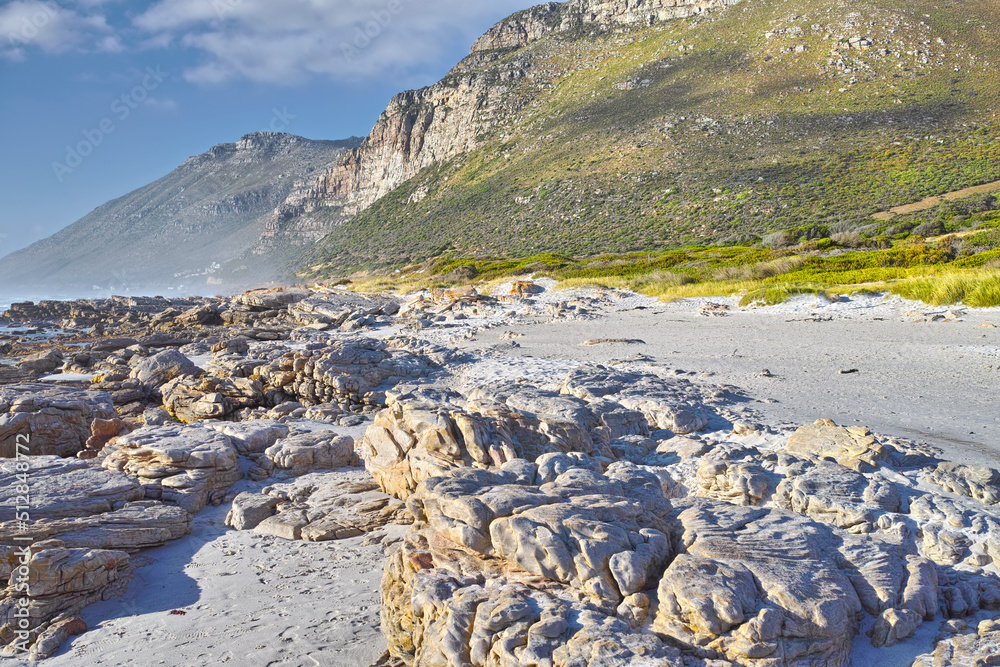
pixel 962 266
pixel 777 123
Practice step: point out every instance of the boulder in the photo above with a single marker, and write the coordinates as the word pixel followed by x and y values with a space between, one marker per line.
pixel 191 399
pixel 252 437
pixel 188 466
pixel 56 420
pixel 755 585
pixel 42 362
pixel 976 482
pixel 264 300
pixel 737 483
pixel 249 509
pixel 155 371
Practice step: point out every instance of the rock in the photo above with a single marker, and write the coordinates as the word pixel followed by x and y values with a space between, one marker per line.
pixel 190 399
pixel 320 507
pixel 977 482
pixel 525 288
pixel 155 371
pixel 57 420
pixel 42 362
pixel 52 638
pixel 853 447
pixel 740 484
pixel 977 648
pixel 527 560
pixel 207 314
pixel 287 525
pixel 103 431
pixel 137 525
pixel 68 488
pixel 155 417
pixel 307 452
pixel 249 509
pixel 347 372
pixel 831 493
pixel 893 626
pixel 264 300
pixel 251 437
pixel 113 344
pixel 752 584
pixel 61 582
pixel 187 466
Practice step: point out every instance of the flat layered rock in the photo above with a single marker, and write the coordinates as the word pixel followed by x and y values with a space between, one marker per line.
pixel 137 525
pixel 68 488
pixel 318 508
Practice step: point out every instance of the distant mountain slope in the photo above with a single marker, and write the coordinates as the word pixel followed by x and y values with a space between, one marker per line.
pixel 208 211
pixel 611 125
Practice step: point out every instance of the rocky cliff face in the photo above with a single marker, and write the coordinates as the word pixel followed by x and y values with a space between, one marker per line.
pixel 420 128
pixel 180 228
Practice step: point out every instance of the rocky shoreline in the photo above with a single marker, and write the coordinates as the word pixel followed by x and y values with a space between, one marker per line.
pixel 525 510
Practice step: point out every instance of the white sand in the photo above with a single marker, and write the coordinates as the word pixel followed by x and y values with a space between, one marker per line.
pixel 933 382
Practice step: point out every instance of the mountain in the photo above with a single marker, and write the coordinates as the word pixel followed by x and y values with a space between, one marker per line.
pixel 612 125
pixel 182 228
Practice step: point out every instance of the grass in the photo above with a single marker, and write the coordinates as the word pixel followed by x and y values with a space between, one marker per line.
pixel 977 289
pixel 917 269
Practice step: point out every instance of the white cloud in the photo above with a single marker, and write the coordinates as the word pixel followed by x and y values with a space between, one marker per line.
pixel 27 25
pixel 290 41
pixel 160 104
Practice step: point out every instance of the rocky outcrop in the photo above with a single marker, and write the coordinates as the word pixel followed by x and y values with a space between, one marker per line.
pixel 530 25
pixel 135 526
pixel 58 582
pixel 960 647
pixel 754 586
pixel 55 420
pixel 190 399
pixel 346 372
pixel 853 446
pixel 68 488
pixel 186 466
pixel 304 453
pixel 318 508
pixel 425 433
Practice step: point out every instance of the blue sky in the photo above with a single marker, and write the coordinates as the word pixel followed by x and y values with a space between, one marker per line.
pixel 141 86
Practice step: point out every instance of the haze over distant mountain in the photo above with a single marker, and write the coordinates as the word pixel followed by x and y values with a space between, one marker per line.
pixel 178 231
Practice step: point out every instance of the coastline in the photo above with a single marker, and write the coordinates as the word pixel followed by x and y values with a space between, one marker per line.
pixel 918 377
